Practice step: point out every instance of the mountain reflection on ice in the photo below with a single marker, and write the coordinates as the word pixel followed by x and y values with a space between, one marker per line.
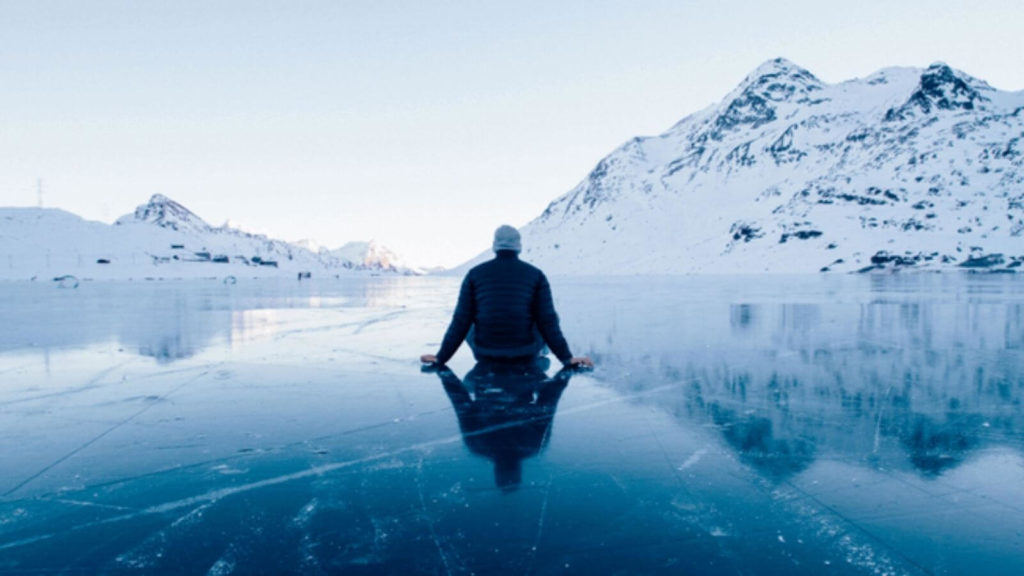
pixel 734 425
pixel 935 363
pixel 249 325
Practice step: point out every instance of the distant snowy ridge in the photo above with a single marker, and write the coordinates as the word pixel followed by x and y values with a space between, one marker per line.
pixel 904 169
pixel 366 255
pixel 163 239
pixel 166 213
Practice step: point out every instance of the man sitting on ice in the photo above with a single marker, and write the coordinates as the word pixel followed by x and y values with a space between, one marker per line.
pixel 505 311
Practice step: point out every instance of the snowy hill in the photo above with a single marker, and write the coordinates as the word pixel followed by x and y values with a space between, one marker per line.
pixel 365 255
pixel 166 213
pixel 161 239
pixel 361 256
pixel 907 168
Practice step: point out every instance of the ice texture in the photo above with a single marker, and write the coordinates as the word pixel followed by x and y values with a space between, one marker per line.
pixel 733 425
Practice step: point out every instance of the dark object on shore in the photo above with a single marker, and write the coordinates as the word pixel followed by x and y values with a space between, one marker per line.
pixel 66 281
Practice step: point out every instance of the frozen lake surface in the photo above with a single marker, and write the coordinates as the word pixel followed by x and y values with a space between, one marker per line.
pixel 733 425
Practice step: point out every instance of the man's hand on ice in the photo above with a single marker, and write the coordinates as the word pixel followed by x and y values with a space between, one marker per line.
pixel 581 362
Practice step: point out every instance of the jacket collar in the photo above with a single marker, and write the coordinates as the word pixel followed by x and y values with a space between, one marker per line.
pixel 506 255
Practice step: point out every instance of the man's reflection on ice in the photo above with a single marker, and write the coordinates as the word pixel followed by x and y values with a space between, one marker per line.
pixel 505 412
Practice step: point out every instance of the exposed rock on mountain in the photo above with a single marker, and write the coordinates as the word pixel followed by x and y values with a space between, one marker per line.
pixel 907 168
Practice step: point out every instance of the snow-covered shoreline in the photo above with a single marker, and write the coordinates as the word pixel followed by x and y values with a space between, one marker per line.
pixel 163 239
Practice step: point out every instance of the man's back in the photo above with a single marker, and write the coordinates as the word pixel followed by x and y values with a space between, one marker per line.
pixel 508 305
pixel 503 295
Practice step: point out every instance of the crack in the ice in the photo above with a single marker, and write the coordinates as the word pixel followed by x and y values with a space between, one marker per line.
pixel 849 521
pixel 692 460
pixel 215 496
pixel 87 504
pixel 382 318
pixel 359 325
pixel 540 528
pixel 97 438
pixel 427 519
pixel 91 384
pixel 154 546
pixel 308 562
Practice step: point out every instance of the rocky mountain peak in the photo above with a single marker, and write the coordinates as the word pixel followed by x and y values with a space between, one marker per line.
pixel 788 174
pixel 780 72
pixel 753 102
pixel 166 213
pixel 941 88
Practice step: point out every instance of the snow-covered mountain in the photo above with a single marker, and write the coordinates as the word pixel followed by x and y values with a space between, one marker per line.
pixel 360 256
pixel 162 239
pixel 166 213
pixel 366 255
pixel 907 168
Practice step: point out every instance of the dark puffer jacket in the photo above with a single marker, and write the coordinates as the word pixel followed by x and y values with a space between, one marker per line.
pixel 507 302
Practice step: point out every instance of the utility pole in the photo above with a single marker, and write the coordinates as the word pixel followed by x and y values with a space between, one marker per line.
pixel 39 191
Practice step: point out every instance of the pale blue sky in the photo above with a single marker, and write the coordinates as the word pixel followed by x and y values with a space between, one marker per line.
pixel 424 124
